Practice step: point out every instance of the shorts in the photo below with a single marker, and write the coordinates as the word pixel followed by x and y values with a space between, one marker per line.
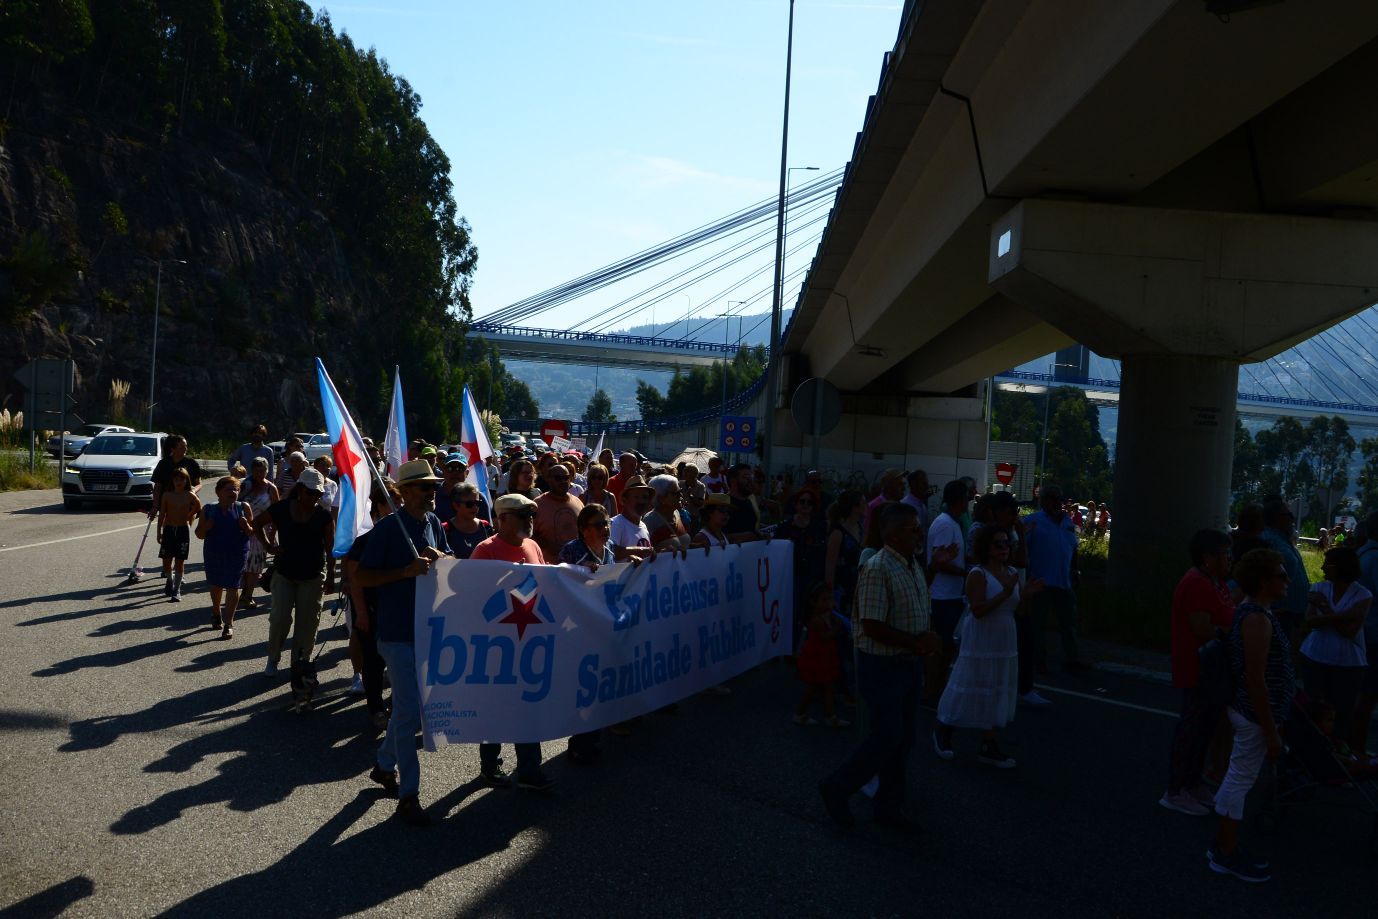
pixel 1371 672
pixel 176 543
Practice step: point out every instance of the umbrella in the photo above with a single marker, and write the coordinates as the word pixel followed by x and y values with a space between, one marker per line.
pixel 694 456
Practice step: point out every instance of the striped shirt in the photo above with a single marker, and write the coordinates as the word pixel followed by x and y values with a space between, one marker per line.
pixel 1277 672
pixel 891 589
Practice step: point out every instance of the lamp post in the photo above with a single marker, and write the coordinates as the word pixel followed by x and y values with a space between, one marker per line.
pixel 688 309
pixel 1047 401
pixel 153 358
pixel 773 367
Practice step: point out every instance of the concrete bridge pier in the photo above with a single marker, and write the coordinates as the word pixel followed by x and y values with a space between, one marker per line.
pixel 1181 298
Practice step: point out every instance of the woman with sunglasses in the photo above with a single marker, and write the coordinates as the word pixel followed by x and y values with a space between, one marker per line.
pixel 1261 664
pixel 983 689
pixel 465 529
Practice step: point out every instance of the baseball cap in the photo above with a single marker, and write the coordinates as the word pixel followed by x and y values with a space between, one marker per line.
pixel 514 504
pixel 457 458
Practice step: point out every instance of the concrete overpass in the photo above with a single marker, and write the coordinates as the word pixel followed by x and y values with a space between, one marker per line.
pixel 1180 190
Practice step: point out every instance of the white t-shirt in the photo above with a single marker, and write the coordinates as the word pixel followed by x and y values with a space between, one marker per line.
pixel 715 484
pixel 1327 646
pixel 944 531
pixel 629 535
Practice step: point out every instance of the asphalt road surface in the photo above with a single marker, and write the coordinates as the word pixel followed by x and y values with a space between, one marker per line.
pixel 149 768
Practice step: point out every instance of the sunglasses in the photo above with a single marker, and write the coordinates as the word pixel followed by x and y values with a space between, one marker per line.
pixel 522 514
pixel 1000 543
pixel 601 526
pixel 467 504
pixel 424 487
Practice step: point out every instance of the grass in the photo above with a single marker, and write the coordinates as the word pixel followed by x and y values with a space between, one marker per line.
pixel 15 475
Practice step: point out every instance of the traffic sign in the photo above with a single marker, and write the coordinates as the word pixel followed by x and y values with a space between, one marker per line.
pixel 1004 472
pixel 816 406
pixel 552 428
pixel 50 383
pixel 737 433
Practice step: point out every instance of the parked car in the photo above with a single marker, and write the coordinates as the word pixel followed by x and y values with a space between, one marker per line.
pixel 278 445
pixel 78 439
pixel 316 446
pixel 115 466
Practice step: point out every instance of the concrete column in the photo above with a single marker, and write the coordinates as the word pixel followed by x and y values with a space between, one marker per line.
pixel 1173 459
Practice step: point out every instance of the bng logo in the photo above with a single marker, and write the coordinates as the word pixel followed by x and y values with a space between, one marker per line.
pixel 517 648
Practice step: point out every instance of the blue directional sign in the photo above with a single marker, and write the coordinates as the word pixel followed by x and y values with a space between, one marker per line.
pixel 737 434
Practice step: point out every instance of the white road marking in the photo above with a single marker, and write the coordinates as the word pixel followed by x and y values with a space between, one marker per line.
pixel 1094 698
pixel 52 542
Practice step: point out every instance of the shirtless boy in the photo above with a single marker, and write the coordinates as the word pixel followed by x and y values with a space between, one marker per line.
pixel 178 508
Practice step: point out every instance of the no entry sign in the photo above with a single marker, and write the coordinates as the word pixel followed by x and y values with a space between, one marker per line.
pixel 552 428
pixel 1004 472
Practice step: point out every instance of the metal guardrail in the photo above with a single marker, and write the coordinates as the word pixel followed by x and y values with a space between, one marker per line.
pixel 1260 398
pixel 678 344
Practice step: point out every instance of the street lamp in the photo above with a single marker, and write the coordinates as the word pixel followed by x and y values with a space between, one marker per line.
pixel 153 359
pixel 777 291
pixel 688 308
pixel 1047 401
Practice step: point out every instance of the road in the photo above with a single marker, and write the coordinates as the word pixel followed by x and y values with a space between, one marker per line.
pixel 151 769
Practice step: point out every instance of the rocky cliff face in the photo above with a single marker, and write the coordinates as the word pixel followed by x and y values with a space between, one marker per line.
pixel 87 206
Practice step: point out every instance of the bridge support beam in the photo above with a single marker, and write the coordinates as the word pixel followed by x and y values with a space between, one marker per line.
pixel 1182 298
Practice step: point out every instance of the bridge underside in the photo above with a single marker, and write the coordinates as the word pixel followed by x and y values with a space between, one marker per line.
pixel 1180 191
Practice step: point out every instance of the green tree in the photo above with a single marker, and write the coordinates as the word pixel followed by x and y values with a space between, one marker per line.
pixel 1077 457
pixel 1368 475
pixel 1282 449
pixel 1247 470
pixel 1329 448
pixel 599 407
pixel 649 402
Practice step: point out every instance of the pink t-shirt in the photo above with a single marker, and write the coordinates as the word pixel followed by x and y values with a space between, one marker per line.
pixel 499 549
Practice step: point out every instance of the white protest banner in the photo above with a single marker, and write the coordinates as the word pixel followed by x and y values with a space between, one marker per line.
pixel 518 653
pixel 560 444
pixel 579 442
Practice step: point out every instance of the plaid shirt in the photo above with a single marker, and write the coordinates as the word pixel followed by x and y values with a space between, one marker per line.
pixel 892 590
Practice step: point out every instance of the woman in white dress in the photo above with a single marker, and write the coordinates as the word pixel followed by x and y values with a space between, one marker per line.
pixel 983 689
pixel 1334 658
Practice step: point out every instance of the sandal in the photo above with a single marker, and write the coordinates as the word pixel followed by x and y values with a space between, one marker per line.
pixel 250 603
pixel 227 633
pixel 215 619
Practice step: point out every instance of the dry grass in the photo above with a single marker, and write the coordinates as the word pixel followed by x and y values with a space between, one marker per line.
pixel 15 475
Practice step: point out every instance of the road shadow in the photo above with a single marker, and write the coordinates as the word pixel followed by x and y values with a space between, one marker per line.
pixel 265 752
pixel 327 876
pixel 12 719
pixel 54 901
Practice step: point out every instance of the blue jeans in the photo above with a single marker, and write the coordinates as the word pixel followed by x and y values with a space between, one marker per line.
pixel 528 758
pixel 889 687
pixel 398 750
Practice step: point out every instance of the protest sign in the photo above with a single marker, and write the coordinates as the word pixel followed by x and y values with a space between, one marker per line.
pixel 516 653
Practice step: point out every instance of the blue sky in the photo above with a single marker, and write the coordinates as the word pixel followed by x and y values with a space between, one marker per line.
pixel 579 133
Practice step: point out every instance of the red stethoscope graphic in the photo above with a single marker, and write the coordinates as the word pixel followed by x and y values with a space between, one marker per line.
pixel 770 615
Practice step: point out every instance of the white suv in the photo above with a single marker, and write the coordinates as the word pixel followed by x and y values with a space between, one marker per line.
pixel 113 467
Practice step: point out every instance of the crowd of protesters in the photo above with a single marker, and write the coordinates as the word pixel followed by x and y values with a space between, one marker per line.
pixel 910 593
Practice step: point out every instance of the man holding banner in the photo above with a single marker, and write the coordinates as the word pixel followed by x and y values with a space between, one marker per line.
pixel 402 548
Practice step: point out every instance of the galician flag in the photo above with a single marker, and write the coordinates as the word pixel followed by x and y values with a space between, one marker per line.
pixel 473 440
pixel 395 444
pixel 351 459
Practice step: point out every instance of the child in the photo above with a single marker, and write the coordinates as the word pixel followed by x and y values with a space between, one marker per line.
pixel 818 666
pixel 177 509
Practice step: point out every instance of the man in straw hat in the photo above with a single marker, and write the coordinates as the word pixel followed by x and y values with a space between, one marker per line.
pixel 402 548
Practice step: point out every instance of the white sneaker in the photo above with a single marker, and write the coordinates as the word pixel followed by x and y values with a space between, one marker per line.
pixel 1183 803
pixel 804 720
pixel 357 687
pixel 1034 700
pixel 1203 796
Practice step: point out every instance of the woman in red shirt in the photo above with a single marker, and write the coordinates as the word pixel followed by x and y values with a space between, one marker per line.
pixel 1200 605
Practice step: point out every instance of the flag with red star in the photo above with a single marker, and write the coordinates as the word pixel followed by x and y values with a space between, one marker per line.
pixel 473 440
pixel 352 464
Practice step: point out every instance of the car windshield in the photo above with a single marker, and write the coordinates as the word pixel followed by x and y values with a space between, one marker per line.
pixel 90 430
pixel 123 445
pixel 318 439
